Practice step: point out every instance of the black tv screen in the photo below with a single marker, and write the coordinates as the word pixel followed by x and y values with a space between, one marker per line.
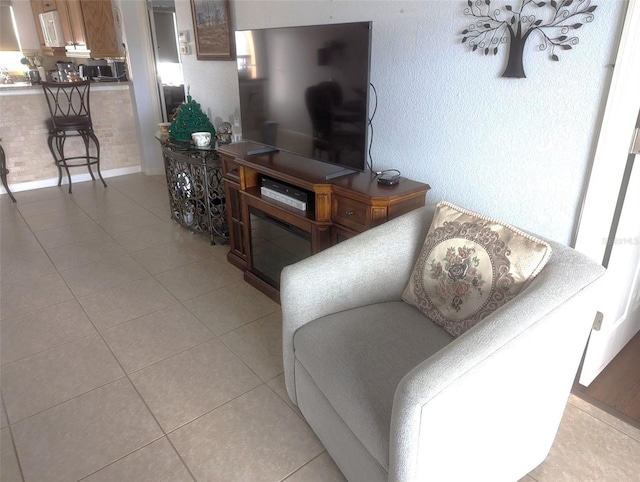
pixel 305 90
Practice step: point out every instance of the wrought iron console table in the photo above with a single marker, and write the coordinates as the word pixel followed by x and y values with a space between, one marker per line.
pixel 196 187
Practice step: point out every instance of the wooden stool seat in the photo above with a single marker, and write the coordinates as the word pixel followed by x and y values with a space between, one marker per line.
pixel 71 123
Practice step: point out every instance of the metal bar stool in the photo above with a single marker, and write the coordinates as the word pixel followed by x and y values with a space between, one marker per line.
pixel 4 171
pixel 71 117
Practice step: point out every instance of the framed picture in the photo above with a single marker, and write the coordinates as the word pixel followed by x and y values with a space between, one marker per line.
pixel 212 29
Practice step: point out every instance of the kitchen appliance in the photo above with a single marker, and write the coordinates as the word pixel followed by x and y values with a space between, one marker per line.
pixel 119 69
pixel 94 71
pixel 86 72
pixel 52 29
pixel 103 70
pixel 66 71
pixel 33 76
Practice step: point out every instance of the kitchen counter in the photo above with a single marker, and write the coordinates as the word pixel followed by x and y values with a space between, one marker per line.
pixel 16 85
pixel 25 88
pixel 23 112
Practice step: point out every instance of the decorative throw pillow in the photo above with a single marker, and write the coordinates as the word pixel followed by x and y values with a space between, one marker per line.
pixel 469 266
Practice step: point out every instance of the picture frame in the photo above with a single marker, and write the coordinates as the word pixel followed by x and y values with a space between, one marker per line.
pixel 212 29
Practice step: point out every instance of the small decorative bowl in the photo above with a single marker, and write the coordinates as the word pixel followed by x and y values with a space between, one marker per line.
pixel 201 139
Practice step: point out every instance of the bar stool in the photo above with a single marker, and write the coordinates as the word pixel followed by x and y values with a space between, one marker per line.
pixel 4 171
pixel 71 117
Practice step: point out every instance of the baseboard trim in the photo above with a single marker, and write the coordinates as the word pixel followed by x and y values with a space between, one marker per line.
pixel 155 172
pixel 83 177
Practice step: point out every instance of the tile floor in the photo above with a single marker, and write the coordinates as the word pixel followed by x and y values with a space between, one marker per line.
pixel 132 351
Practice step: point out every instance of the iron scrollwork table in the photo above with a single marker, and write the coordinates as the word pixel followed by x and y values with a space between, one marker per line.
pixel 196 188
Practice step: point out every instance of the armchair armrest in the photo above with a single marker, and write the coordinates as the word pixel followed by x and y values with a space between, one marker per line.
pixel 459 414
pixel 372 267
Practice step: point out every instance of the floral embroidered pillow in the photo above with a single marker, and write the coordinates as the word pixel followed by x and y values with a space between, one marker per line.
pixel 469 266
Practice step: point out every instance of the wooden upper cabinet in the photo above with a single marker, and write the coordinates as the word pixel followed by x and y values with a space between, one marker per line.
pixel 99 28
pixel 36 6
pixel 77 37
pixel 65 22
pixel 43 6
pixel 88 27
pixel 47 5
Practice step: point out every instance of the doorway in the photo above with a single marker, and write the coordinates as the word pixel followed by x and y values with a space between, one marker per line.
pixel 164 39
pixel 616 390
pixel 609 231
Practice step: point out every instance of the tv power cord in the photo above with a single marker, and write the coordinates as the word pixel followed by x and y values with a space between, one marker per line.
pixel 388 177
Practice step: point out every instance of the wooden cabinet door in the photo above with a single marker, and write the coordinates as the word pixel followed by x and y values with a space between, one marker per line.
pixel 37 7
pixel 43 6
pixel 75 17
pixel 339 234
pixel 65 21
pixel 46 5
pixel 99 28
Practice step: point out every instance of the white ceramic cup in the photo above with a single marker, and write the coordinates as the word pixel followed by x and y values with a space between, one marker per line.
pixel 201 139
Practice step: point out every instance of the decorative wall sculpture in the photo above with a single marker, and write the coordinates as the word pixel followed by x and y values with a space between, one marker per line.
pixel 553 22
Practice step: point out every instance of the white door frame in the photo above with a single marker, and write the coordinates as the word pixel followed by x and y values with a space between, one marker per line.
pixel 623 104
pixel 605 181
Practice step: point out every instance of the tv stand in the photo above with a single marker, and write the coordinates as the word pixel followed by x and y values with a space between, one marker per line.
pixel 336 209
pixel 340 173
pixel 262 150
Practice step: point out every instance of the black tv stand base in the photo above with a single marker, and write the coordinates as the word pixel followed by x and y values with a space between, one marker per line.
pixel 262 150
pixel 340 173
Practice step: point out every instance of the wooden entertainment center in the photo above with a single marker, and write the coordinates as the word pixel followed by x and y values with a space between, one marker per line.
pixel 336 209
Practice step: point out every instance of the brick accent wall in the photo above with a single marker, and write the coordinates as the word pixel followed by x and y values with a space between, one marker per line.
pixel 24 135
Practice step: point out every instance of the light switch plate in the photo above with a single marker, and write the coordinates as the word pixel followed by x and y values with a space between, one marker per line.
pixel 185 49
pixel 183 36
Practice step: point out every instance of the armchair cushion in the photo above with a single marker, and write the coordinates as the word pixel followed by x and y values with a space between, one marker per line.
pixel 357 359
pixel 469 266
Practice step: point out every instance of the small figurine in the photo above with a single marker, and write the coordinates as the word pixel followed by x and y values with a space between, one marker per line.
pixel 224 133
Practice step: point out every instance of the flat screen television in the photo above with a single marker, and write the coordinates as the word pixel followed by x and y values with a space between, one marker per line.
pixel 305 90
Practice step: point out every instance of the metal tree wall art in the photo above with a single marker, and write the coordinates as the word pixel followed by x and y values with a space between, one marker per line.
pixel 554 22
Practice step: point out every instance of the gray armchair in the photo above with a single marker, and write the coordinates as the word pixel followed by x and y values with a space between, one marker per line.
pixel 393 396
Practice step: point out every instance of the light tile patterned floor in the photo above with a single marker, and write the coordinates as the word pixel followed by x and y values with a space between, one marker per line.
pixel 132 351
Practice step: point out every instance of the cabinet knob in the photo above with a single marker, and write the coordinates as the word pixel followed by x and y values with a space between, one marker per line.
pixel 349 213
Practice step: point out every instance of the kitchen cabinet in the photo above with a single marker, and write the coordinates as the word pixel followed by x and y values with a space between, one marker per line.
pixel 94 28
pixel 48 6
pixel 88 26
pixel 77 38
pixel 43 6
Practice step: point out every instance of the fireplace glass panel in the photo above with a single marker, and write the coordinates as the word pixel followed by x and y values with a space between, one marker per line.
pixel 274 245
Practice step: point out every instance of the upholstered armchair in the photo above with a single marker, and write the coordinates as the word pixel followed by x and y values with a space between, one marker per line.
pixel 393 396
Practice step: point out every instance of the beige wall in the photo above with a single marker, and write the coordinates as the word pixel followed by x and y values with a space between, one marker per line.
pixel 24 135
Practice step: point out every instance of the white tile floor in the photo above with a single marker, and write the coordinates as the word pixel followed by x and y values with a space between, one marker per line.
pixel 132 351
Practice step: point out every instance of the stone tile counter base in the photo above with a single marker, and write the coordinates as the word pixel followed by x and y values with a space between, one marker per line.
pixel 24 135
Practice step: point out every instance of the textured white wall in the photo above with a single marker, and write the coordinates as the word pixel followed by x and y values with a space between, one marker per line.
pixel 211 83
pixel 516 149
